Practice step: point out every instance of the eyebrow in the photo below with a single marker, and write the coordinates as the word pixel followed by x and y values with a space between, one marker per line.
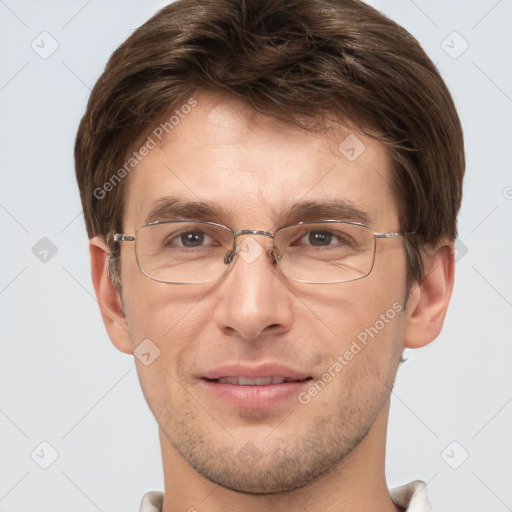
pixel 173 208
pixel 340 209
pixel 170 208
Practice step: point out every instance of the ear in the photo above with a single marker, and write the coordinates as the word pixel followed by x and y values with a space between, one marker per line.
pixel 429 299
pixel 109 297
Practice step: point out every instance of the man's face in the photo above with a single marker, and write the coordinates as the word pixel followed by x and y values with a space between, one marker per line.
pixel 254 322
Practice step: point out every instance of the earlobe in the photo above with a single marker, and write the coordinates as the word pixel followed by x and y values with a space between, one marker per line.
pixel 429 299
pixel 108 296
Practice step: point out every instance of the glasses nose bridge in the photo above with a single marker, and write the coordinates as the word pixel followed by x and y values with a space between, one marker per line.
pixel 259 232
pixel 244 232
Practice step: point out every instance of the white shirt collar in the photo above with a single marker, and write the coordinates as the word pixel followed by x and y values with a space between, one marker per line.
pixel 411 497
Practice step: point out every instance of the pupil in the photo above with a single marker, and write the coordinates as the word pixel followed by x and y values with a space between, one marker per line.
pixel 320 238
pixel 192 239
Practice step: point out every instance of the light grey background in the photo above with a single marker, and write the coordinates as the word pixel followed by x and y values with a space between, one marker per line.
pixel 61 380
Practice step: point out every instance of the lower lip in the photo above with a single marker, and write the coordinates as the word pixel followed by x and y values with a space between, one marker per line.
pixel 255 397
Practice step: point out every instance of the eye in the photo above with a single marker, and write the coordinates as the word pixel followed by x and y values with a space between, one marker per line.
pixel 319 238
pixel 324 238
pixel 189 239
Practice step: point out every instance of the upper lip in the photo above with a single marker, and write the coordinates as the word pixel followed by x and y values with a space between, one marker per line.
pixel 255 371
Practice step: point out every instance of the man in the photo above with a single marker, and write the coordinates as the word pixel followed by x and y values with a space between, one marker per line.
pixel 270 190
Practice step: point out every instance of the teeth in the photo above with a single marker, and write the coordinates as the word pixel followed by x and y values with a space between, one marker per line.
pixel 261 381
pixel 229 380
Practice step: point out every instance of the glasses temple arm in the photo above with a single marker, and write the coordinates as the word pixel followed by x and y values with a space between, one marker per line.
pixel 392 235
pixel 119 237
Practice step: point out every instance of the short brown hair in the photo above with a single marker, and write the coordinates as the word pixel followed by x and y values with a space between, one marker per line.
pixel 290 59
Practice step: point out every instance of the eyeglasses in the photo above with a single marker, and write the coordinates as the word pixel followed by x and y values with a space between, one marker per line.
pixel 198 252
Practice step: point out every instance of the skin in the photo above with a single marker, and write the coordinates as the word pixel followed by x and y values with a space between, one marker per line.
pixel 328 454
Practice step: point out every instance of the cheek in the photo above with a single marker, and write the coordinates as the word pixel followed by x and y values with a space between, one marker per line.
pixel 365 355
pixel 164 314
pixel 361 327
pixel 344 312
pixel 155 310
pixel 167 322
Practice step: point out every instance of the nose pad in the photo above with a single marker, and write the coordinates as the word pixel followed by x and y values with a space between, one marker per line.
pixel 229 257
pixel 275 255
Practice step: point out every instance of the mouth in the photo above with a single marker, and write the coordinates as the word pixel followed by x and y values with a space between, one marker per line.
pixel 255 388
pixel 257 381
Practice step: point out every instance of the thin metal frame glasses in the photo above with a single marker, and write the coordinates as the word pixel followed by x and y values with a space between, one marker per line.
pixel 190 251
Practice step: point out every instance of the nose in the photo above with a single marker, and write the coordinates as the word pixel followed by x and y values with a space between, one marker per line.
pixel 254 301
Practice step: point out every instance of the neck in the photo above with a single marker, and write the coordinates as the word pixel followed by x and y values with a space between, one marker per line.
pixel 357 483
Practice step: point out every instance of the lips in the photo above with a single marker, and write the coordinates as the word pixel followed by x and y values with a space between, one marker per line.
pixel 259 371
pixel 255 387
pixel 258 381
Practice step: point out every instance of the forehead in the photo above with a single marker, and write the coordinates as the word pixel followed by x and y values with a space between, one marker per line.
pixel 253 168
